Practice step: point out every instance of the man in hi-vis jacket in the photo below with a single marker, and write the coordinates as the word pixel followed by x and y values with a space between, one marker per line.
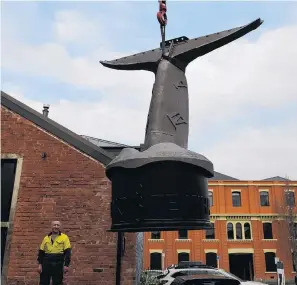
pixel 54 256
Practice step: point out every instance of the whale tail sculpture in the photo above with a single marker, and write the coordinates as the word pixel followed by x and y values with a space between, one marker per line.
pixel 164 187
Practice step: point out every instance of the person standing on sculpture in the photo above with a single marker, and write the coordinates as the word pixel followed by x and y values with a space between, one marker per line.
pixel 54 256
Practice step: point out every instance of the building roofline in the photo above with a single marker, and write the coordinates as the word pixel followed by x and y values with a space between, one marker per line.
pixel 112 143
pixel 55 129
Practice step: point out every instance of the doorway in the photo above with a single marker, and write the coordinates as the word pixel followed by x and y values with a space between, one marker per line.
pixel 242 265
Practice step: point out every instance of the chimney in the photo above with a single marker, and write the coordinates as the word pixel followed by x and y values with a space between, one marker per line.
pixel 45 110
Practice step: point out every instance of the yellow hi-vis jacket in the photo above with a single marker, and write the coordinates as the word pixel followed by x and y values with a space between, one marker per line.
pixel 59 249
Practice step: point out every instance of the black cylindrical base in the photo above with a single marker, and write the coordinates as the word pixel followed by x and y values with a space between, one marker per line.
pixel 166 195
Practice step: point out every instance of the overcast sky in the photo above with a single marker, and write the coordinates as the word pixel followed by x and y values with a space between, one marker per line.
pixel 243 97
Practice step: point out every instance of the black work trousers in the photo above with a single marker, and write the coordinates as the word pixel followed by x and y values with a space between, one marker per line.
pixel 52 270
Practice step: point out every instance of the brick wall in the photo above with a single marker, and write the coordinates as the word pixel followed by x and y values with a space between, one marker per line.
pixel 67 186
pixel 250 211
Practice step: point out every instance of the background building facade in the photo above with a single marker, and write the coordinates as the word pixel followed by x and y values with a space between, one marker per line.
pixel 250 230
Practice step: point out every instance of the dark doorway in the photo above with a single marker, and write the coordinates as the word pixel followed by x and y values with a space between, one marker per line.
pixel 242 265
pixel 8 168
pixel 156 261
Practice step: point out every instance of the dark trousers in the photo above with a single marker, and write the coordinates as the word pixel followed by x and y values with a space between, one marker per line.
pixel 52 270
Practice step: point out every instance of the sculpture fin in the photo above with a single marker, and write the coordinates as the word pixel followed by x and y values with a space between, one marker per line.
pixel 190 50
pixel 141 61
pixel 184 50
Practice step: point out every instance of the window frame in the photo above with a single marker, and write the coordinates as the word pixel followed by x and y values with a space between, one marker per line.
pixel 261 192
pixel 157 233
pixel 181 237
pixel 250 229
pixel 185 253
pixel 212 253
pixel 270 223
pixel 271 261
pixel 229 223
pixel 240 231
pixel 232 196
pixel 242 223
pixel 159 254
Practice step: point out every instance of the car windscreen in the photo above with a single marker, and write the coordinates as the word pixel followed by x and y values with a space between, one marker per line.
pixel 232 275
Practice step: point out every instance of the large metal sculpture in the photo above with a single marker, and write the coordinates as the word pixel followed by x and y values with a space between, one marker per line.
pixel 164 186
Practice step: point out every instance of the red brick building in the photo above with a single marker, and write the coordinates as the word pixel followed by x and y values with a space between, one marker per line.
pixel 50 173
pixel 249 231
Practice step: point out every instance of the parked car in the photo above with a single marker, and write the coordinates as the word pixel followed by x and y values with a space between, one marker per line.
pixel 207 279
pixel 191 269
pixel 240 280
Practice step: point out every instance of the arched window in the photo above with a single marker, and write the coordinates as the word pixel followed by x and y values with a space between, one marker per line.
pixel 183 256
pixel 156 261
pixel 211 259
pixel 230 231
pixel 247 231
pixel 210 197
pixel 238 231
pixel 236 199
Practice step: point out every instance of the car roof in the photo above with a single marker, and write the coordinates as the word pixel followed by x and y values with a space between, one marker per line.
pixel 202 276
pixel 194 268
pixel 184 279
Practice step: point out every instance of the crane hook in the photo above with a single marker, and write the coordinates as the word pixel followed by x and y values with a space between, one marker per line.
pixel 162 19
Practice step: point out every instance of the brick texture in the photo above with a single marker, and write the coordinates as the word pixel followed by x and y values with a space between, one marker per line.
pixel 67 186
pixel 250 210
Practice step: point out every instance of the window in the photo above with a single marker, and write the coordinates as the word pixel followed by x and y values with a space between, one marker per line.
pixel 290 198
pixel 238 231
pixel 242 231
pixel 230 231
pixel 267 231
pixel 8 170
pixel 182 234
pixel 247 231
pixel 183 256
pixel 3 243
pixel 156 235
pixel 211 259
pixel 236 199
pixel 210 233
pixel 270 262
pixel 156 261
pixel 264 198
pixel 210 197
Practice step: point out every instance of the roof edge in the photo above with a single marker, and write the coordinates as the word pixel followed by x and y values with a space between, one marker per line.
pixel 55 129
